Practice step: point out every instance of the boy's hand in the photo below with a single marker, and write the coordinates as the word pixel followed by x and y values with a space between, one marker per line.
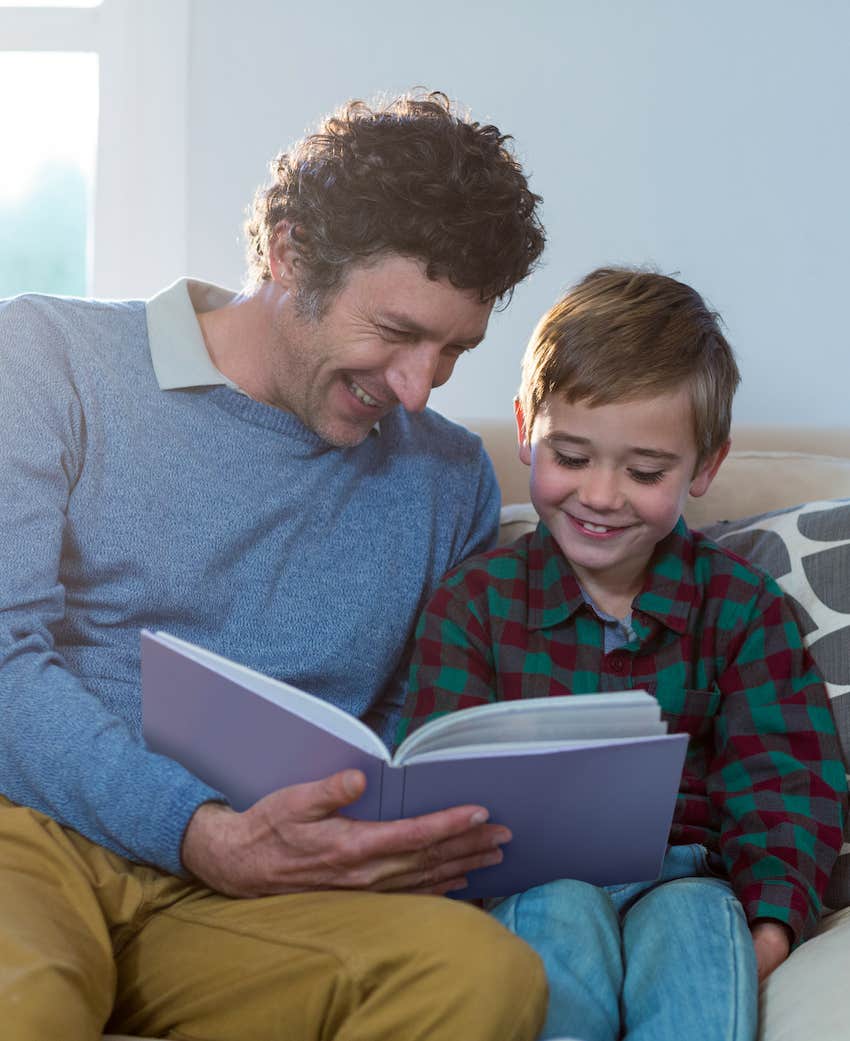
pixel 772 944
pixel 294 840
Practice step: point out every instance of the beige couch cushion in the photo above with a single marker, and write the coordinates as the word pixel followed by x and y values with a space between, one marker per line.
pixel 769 468
pixel 753 482
pixel 748 484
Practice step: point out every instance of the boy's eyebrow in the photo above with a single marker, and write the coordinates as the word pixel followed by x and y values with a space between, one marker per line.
pixel 656 454
pixel 408 325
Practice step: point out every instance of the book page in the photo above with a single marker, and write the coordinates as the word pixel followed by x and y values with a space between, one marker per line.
pixel 525 748
pixel 572 717
pixel 299 702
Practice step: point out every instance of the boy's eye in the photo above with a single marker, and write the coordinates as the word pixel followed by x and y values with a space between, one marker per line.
pixel 573 462
pixel 646 476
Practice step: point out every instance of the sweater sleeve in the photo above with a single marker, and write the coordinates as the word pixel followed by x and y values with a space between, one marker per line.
pixel 778 780
pixel 61 751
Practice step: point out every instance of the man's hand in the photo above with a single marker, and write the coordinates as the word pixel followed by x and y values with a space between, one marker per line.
pixel 772 944
pixel 294 840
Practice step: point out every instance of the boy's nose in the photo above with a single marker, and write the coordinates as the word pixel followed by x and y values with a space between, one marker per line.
pixel 600 490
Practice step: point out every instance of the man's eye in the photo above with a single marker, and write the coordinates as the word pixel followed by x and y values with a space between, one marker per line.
pixel 646 476
pixel 573 462
pixel 389 332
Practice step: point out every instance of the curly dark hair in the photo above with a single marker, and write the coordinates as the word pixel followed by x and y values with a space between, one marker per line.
pixel 412 178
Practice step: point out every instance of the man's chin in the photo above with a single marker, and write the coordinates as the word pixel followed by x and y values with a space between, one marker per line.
pixel 344 435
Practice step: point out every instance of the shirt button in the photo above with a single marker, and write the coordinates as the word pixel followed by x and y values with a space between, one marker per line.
pixel 618 664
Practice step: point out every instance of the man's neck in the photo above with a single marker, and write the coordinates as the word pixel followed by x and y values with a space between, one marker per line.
pixel 237 338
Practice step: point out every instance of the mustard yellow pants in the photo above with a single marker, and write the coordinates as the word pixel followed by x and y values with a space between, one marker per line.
pixel 89 939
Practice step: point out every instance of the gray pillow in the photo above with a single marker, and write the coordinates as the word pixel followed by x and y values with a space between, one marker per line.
pixel 807 550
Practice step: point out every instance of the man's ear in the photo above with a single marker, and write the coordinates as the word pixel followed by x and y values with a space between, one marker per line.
pixel 523 434
pixel 283 257
pixel 707 470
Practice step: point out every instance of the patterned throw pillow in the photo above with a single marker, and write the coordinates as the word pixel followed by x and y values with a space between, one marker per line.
pixel 807 550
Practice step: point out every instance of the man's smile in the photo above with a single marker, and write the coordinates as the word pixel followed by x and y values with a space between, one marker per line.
pixel 363 396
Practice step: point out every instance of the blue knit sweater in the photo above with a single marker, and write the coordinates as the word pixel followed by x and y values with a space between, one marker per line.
pixel 209 515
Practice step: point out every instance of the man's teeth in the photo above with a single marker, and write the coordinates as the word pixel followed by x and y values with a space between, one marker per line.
pixel 361 395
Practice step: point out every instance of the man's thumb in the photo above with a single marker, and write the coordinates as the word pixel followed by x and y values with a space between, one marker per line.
pixel 323 798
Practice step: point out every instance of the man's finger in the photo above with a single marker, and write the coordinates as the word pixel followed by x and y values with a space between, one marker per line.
pixel 463 824
pixel 438 878
pixel 384 855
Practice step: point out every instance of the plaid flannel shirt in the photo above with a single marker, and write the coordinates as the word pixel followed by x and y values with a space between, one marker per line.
pixel 717 644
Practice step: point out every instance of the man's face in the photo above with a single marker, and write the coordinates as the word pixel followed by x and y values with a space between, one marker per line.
pixel 387 337
pixel 610 482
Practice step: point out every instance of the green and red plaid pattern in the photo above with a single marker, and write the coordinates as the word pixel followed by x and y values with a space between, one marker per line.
pixel 717 643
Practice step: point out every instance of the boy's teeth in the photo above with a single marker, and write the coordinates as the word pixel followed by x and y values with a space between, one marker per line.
pixel 598 528
pixel 361 395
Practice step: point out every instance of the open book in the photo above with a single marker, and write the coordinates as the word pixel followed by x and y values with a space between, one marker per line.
pixel 587 783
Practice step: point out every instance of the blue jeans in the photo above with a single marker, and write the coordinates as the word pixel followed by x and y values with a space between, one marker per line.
pixel 669 960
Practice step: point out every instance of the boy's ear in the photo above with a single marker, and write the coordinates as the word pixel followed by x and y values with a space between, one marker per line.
pixel 283 257
pixel 523 435
pixel 708 470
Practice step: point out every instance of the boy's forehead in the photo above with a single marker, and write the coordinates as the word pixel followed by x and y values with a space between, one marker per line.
pixel 660 421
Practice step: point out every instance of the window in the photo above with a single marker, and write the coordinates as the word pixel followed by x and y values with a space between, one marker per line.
pixel 47 173
pixel 103 82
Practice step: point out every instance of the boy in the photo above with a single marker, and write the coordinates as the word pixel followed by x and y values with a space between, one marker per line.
pixel 624 409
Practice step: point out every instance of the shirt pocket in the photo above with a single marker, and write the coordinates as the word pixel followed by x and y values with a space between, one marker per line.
pixel 688 711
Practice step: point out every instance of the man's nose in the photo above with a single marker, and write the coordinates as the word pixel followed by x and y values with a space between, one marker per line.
pixel 600 489
pixel 411 375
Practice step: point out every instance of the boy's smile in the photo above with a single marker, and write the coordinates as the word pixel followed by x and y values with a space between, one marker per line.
pixel 611 481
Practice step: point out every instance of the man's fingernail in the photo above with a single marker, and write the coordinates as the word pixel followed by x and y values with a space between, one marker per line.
pixel 479 817
pixel 352 782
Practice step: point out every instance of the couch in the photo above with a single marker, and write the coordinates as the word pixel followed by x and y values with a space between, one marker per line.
pixel 770 469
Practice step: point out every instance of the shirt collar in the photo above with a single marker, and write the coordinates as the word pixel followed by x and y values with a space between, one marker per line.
pixel 554 594
pixel 178 352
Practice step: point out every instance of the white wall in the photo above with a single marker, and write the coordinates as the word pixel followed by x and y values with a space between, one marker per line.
pixel 706 139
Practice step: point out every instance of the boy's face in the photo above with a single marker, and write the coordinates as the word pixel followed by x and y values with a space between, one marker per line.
pixel 610 482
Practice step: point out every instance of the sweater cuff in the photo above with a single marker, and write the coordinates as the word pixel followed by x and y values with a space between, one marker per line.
pixel 169 818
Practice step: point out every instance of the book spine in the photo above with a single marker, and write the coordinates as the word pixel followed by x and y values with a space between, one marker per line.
pixel 392 791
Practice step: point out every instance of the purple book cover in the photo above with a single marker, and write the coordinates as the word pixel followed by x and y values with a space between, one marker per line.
pixel 237 741
pixel 598 813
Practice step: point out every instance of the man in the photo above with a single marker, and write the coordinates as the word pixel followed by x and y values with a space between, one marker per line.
pixel 256 473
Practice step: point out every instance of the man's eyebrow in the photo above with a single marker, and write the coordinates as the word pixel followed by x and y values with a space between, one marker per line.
pixel 409 325
pixel 656 454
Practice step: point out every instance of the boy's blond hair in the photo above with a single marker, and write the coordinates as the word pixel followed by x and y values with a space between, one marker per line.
pixel 623 334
